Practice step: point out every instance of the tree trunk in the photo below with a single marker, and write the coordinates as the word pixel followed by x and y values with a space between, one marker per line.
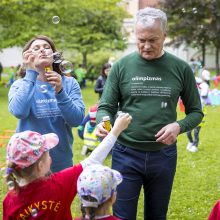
pixel 203 54
pixel 217 61
pixel 84 62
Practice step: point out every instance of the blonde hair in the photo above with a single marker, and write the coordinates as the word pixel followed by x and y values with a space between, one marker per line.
pixel 15 173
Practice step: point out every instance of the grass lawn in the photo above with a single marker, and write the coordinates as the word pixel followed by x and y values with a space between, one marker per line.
pixel 197 181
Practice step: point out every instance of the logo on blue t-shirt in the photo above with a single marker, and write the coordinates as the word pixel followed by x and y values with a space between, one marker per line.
pixel 43 88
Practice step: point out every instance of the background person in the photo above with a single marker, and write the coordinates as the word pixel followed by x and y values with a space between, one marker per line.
pixel 87 131
pixel 147 84
pixel 1 71
pixel 11 76
pixel 100 82
pixel 80 73
pixel 34 192
pixel 46 101
pixel 97 189
pixel 206 75
pixel 193 65
pixel 193 135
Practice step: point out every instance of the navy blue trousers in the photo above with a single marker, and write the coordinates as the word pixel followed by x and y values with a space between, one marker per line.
pixel 154 170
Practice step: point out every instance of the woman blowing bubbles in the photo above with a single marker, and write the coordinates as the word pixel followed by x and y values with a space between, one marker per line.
pixel 45 101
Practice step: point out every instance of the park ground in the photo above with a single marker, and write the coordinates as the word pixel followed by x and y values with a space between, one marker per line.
pixel 197 182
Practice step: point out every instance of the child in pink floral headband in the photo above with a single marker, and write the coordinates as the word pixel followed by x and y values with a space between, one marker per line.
pixel 35 193
pixel 96 188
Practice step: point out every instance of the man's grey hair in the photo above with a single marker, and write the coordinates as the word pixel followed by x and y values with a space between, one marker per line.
pixel 148 15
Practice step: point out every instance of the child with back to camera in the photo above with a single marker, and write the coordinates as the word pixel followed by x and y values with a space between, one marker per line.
pixel 96 188
pixel 35 193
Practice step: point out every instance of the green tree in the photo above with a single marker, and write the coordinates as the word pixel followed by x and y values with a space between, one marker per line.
pixel 196 23
pixel 85 26
pixel 96 24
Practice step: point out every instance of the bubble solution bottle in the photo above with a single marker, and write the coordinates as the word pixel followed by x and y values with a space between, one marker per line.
pixel 106 120
pixel 47 69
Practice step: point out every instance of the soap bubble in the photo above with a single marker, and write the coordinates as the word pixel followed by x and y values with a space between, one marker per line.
pixel 56 19
pixel 57 58
pixel 11 185
pixel 66 67
pixel 183 10
pixel 34 213
pixel 194 10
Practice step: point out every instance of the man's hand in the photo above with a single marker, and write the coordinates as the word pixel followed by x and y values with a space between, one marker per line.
pixel 168 134
pixel 121 123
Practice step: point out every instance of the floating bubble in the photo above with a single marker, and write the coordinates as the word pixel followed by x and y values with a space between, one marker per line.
pixel 11 185
pixel 66 67
pixel 194 10
pixel 57 58
pixel 201 26
pixel 34 213
pixel 56 19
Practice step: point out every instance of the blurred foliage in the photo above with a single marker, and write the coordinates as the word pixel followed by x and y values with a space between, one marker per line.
pixel 85 26
pixel 95 63
pixel 194 22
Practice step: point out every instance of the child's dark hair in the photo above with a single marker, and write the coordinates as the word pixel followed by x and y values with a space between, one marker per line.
pixel 91 210
pixel 104 67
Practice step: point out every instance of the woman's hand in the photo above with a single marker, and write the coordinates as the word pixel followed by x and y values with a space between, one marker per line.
pixel 36 60
pixel 55 80
pixel 28 60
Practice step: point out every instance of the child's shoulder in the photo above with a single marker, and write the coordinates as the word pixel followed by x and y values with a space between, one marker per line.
pixel 111 217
